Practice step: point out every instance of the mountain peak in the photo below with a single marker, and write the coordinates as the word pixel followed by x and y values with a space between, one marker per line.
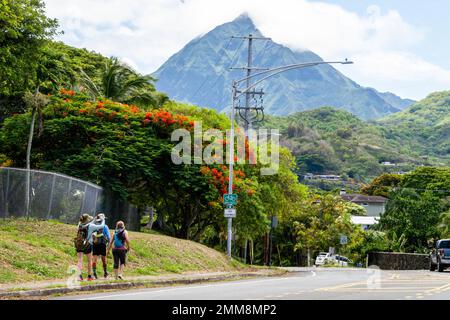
pixel 200 74
pixel 243 18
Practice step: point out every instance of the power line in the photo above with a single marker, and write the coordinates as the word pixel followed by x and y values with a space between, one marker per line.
pixel 418 189
pixel 235 54
pixel 231 63
pixel 217 62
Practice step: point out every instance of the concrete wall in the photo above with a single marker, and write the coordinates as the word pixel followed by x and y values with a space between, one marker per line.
pixel 399 261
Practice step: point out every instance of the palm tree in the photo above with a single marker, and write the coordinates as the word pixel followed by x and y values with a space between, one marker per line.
pixel 35 102
pixel 119 82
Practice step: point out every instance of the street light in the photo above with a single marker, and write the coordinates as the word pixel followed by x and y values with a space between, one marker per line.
pixel 235 95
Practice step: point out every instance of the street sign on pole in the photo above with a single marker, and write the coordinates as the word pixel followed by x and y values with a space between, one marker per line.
pixel 230 213
pixel 274 221
pixel 344 239
pixel 230 199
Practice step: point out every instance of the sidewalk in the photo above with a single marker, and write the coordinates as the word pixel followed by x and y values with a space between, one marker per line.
pixel 46 288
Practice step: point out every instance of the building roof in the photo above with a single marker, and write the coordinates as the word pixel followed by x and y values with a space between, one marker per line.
pixel 364 220
pixel 358 198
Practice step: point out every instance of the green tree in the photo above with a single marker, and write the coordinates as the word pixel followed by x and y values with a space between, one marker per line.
pixel 444 224
pixel 414 217
pixel 382 185
pixel 25 30
pixel 432 179
pixel 322 221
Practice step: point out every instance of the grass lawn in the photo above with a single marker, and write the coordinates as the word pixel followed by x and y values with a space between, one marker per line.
pixel 43 250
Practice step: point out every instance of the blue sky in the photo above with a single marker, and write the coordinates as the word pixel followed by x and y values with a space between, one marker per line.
pixel 431 16
pixel 397 45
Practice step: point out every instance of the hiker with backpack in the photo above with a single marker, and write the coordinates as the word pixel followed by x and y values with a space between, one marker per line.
pixel 120 245
pixel 101 239
pixel 83 242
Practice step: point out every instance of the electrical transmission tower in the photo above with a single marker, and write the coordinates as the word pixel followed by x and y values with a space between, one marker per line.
pixel 253 109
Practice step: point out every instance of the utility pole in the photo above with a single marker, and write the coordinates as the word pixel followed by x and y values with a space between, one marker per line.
pixel 247 115
pixel 247 122
pixel 230 200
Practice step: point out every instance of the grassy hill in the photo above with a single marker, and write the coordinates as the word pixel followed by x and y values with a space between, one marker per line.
pixel 41 250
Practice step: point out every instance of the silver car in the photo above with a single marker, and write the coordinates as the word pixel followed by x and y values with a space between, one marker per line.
pixel 440 256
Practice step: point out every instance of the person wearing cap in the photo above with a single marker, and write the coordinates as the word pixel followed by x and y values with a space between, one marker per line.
pixel 101 239
pixel 83 242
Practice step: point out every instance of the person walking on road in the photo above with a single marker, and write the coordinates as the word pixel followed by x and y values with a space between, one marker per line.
pixel 83 243
pixel 101 239
pixel 120 245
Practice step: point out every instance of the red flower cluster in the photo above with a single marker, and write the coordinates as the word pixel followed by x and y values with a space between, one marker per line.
pixel 67 92
pixel 167 119
pixel 100 105
pixel 220 179
pixel 115 111
pixel 134 109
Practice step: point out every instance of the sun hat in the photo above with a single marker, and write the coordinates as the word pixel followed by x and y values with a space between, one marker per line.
pixel 100 217
pixel 85 218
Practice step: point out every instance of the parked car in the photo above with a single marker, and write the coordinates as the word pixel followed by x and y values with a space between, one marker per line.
pixel 342 261
pixel 440 256
pixel 322 258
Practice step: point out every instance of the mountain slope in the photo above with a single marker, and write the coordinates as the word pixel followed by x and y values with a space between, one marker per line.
pixel 199 74
pixel 331 141
pixel 425 125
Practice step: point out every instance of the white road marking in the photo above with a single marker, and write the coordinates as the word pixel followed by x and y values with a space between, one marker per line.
pixel 185 288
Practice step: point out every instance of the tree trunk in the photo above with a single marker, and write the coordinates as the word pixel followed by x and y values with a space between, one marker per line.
pixel 28 164
pixel 266 249
pixel 251 252
pixel 245 251
pixel 152 218
pixel 309 257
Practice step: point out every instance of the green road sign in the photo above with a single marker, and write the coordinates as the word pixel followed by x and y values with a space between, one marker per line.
pixel 230 199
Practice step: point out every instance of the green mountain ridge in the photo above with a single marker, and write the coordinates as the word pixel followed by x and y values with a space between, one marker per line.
pixel 331 141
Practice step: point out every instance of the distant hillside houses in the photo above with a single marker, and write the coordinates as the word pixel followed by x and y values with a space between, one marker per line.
pixel 388 164
pixel 326 177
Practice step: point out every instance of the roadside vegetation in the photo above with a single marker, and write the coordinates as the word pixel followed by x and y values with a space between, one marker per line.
pixel 43 250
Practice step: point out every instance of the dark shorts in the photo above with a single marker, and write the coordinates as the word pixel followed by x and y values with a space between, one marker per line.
pixel 99 249
pixel 87 250
pixel 120 257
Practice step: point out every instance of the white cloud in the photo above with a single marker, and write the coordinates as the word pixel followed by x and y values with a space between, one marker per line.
pixel 146 33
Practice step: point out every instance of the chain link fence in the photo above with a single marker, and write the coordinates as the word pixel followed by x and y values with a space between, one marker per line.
pixel 50 195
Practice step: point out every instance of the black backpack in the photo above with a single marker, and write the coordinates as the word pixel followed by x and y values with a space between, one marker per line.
pixel 99 237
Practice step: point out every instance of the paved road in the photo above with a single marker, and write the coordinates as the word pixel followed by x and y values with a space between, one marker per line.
pixel 305 285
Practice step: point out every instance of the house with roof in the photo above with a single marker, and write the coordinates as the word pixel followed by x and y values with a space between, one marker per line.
pixel 374 206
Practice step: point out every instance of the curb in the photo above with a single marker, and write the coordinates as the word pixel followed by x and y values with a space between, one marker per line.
pixel 127 285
